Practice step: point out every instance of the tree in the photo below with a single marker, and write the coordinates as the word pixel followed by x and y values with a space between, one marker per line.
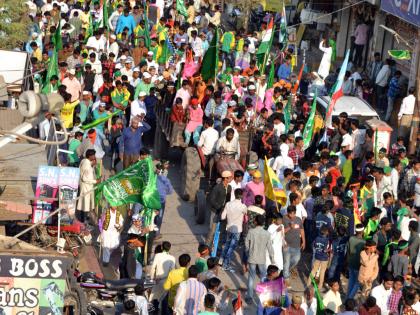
pixel 14 23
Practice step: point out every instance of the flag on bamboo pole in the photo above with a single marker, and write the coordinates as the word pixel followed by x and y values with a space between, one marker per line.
pixel 210 63
pixel 273 189
pixel 270 81
pixel 136 184
pixel 283 36
pixel 265 46
pixel 297 83
pixel 57 39
pixel 287 111
pixel 52 70
pixel 400 54
pixel 100 120
pixel 309 127
pixel 320 309
pixel 338 88
pixel 180 8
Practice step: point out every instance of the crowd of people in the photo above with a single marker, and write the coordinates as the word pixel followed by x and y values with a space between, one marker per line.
pixel 351 207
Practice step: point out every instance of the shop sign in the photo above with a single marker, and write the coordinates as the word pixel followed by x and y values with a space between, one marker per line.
pixel 32 284
pixel 407 10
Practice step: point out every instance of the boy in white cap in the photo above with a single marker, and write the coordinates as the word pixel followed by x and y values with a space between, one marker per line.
pixel 138 107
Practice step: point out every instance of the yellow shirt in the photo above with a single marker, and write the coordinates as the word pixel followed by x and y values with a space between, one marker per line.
pixel 191 14
pixel 37 54
pixel 175 277
pixel 67 112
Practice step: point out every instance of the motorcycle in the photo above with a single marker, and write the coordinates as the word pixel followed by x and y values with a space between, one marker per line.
pixel 117 295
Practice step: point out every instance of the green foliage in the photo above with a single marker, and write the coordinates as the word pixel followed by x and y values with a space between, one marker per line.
pixel 14 23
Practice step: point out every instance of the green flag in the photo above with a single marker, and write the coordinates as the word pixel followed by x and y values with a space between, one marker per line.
pixel 105 15
pixel 52 70
pixel 210 63
pixel 270 81
pixel 320 309
pixel 89 31
pixel 283 36
pixel 57 40
pixel 180 8
pixel 400 54
pixel 136 184
pixel 146 28
pixel 287 111
pixel 100 120
pixel 309 127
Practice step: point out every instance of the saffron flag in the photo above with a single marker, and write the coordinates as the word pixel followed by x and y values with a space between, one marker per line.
pixel 266 40
pixel 338 88
pixel 283 28
pixel 237 305
pixel 309 127
pixel 180 8
pixel 210 63
pixel 273 189
pixel 136 184
pixel 297 83
pixel 320 309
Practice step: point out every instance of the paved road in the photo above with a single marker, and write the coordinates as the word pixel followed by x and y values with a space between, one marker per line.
pixel 180 229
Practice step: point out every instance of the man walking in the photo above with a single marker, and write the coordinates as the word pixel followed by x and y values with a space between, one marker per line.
pixel 257 244
pixel 131 142
pixel 234 213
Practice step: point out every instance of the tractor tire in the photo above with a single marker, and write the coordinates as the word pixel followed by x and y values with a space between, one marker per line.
pixel 190 174
pixel 200 207
pixel 75 301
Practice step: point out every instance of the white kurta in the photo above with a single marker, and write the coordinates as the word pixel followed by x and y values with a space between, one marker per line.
pixel 110 238
pixel 87 182
pixel 325 65
pixel 277 240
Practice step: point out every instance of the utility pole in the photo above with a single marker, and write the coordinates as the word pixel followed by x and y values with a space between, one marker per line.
pixel 416 115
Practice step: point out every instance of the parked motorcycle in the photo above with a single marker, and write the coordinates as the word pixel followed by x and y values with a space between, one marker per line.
pixel 112 295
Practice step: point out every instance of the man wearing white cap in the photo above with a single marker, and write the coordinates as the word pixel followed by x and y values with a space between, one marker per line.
pixel 113 45
pixel 150 61
pixel 138 107
pixel 73 85
pixel 135 80
pixel 126 70
pixel 145 85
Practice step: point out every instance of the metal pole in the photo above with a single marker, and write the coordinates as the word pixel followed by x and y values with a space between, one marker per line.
pixel 416 115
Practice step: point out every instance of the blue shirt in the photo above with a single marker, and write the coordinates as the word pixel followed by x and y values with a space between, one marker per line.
pixel 130 141
pixel 125 21
pixel 393 88
pixel 164 187
pixel 339 246
pixel 284 71
pixel 321 245
pixel 321 220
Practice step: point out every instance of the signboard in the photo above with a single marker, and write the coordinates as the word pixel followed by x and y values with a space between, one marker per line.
pixel 407 10
pixel 68 182
pixel 46 188
pixel 32 284
pixel 55 182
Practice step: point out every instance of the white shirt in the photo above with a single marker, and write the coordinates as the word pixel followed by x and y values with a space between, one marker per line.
pixel 141 305
pixel 383 75
pixel 234 186
pixel 44 129
pixel 229 147
pixel 235 132
pixel 382 296
pixel 95 44
pixel 127 72
pixel 208 140
pixel 197 46
pixel 234 212
pixel 407 106
pixel 281 163
pixel 96 66
pixel 312 309
pixel 162 264
pixel 357 139
pixel 137 108
pixel 114 48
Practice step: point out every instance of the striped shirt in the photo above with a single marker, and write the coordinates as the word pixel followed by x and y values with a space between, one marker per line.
pixel 189 298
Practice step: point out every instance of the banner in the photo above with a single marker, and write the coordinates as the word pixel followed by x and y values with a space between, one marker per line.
pixel 407 10
pixel 32 284
pixel 272 293
pixel 46 188
pixel 136 184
